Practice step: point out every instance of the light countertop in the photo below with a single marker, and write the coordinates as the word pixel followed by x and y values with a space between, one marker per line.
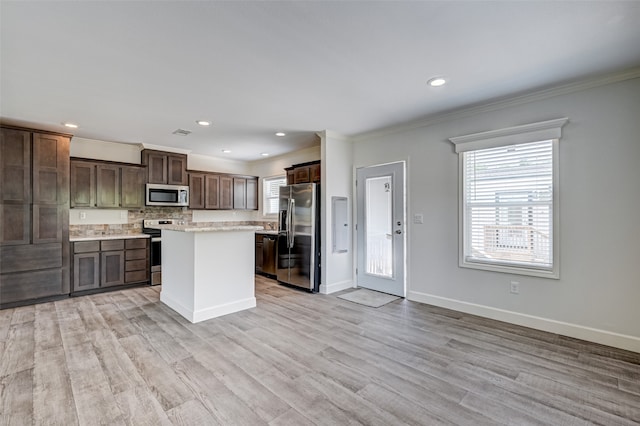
pixel 208 228
pixel 108 237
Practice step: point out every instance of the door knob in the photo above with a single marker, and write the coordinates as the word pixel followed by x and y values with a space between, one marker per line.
pixel 398 231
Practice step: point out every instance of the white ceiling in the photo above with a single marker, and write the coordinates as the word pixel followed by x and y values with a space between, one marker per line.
pixel 136 71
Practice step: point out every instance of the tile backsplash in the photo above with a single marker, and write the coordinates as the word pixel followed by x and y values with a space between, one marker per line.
pixel 135 218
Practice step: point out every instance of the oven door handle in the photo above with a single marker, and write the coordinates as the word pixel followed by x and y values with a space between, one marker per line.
pixel 156 239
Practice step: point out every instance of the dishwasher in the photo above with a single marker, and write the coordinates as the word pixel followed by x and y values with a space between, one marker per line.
pixel 269 254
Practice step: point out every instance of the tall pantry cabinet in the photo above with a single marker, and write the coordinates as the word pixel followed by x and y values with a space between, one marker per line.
pixel 34 215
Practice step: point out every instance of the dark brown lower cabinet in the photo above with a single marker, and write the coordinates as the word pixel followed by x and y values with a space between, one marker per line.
pixel 86 271
pixel 110 263
pixel 112 268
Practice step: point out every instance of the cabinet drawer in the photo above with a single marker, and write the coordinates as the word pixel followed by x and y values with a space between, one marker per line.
pixel 136 243
pixel 31 285
pixel 30 258
pixel 136 276
pixel 136 254
pixel 86 246
pixel 136 265
pixel 109 245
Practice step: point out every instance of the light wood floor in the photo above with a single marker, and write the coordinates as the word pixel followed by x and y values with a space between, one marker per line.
pixel 299 359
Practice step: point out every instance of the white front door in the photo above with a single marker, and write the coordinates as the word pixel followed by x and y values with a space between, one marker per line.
pixel 381 228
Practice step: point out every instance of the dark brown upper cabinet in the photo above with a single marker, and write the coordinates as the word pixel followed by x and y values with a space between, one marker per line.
pixel 83 184
pixel 303 173
pixel 239 193
pixel 165 167
pixel 212 192
pixel 226 193
pixel 217 191
pixel 252 194
pixel 105 184
pixel 15 166
pixel 132 187
pixel 196 190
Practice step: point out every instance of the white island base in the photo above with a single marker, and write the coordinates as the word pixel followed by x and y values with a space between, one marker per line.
pixel 208 272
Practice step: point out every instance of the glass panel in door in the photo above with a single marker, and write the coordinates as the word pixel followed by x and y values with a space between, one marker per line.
pixel 379 223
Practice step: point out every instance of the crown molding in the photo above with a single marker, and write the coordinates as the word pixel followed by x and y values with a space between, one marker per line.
pixel 164 148
pixel 505 102
pixel 334 135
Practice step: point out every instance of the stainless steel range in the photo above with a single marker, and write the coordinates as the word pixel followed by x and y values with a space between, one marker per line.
pixel 156 246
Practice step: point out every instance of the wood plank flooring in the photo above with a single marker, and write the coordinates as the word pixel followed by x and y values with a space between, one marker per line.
pixel 124 358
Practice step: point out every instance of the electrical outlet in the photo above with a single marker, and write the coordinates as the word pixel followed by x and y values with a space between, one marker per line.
pixel 418 218
pixel 83 215
pixel 515 287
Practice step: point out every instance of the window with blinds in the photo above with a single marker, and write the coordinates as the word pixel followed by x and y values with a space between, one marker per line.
pixel 270 194
pixel 508 205
pixel 509 199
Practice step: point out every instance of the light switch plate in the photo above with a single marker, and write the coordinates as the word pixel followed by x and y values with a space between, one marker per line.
pixel 418 218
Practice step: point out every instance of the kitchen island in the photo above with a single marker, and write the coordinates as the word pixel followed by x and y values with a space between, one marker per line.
pixel 208 270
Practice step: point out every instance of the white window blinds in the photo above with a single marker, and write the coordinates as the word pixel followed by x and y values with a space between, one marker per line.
pixel 508 205
pixel 271 191
pixel 509 199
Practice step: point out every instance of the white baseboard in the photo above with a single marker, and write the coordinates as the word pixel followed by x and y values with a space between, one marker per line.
pixel 622 341
pixel 332 288
pixel 208 313
pixel 224 309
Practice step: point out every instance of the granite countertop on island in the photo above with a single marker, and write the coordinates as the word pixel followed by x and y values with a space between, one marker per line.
pixel 208 227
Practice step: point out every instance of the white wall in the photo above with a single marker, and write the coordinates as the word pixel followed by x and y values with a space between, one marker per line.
pixel 598 294
pixel 337 181
pixel 103 150
pixel 215 164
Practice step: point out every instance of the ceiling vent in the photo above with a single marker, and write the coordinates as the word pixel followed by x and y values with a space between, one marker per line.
pixel 181 132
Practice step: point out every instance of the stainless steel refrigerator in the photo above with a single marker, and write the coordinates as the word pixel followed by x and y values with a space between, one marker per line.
pixel 299 236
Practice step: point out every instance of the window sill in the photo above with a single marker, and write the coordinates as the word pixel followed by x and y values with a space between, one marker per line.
pixel 541 273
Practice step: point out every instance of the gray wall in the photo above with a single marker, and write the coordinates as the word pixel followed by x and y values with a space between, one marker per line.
pixel 598 294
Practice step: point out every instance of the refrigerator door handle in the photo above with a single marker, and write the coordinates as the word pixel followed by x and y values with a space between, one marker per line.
pixel 292 206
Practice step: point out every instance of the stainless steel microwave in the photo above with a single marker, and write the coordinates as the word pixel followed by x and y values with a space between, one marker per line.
pixel 167 195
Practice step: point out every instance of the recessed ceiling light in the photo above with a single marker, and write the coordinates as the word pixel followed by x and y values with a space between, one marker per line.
pixel 281 134
pixel 265 154
pixel 203 122
pixel 437 82
pixel 71 125
pixel 226 151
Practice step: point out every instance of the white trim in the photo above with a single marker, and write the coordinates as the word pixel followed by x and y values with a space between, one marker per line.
pixel 540 131
pixel 502 103
pixel 208 313
pixel 339 286
pixel 604 337
pixel 223 309
pixel 504 137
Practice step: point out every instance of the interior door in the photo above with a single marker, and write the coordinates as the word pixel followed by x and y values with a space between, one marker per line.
pixel 381 228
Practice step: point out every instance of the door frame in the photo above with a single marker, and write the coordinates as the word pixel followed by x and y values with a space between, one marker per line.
pixel 405 227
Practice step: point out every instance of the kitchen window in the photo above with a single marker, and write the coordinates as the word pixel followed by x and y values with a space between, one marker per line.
pixel 270 194
pixel 509 199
